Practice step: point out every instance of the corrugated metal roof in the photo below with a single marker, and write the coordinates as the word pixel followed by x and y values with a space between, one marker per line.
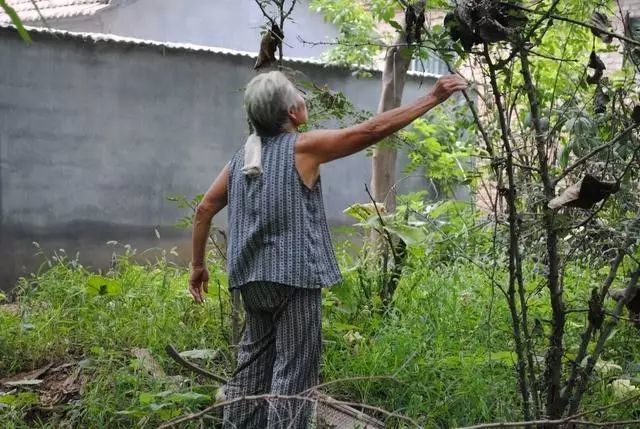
pixel 130 41
pixel 53 9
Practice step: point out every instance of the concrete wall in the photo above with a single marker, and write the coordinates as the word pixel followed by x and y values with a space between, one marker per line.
pixel 94 135
pixel 233 24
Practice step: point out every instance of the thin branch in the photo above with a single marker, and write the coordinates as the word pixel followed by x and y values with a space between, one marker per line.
pixel 268 397
pixel 587 335
pixel 349 379
pixel 173 353
pixel 595 151
pixel 515 266
pixel 264 12
pixel 384 227
pixel 550 57
pixel 474 112
pixel 605 332
pixel 293 3
pixel 576 22
pixel 376 45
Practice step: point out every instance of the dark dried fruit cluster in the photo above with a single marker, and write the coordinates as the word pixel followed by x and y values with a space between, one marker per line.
pixel 476 21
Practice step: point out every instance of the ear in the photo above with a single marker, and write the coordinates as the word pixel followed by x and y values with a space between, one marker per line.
pixel 294 114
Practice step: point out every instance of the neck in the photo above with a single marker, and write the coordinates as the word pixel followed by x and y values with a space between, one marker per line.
pixel 290 128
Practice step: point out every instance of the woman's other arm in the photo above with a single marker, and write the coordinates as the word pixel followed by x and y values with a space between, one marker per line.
pixel 214 200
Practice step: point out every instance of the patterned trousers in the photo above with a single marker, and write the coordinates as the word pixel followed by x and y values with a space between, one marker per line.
pixel 279 355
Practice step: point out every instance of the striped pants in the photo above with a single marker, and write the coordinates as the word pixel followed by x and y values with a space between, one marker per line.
pixel 279 355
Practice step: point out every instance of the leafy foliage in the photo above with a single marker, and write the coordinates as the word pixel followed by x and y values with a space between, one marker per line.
pixel 446 341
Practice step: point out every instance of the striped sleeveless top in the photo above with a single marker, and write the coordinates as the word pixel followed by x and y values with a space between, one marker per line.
pixel 277 226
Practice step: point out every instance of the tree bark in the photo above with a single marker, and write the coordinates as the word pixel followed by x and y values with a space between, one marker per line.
pixel 553 359
pixel 394 74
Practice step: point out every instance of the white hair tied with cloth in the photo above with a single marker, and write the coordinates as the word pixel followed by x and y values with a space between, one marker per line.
pixel 267 99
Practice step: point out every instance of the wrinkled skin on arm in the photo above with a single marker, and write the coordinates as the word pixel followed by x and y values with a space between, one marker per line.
pixel 320 146
pixel 214 200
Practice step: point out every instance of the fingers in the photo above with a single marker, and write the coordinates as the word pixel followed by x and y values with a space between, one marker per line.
pixel 453 82
pixel 447 85
pixel 199 283
pixel 195 288
pixel 195 293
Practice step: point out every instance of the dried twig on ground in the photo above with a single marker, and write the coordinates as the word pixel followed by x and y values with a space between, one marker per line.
pixel 173 353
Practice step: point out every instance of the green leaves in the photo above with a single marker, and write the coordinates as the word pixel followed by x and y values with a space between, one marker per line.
pixel 15 19
pixel 165 405
pixel 411 235
pixel 99 285
pixel 18 400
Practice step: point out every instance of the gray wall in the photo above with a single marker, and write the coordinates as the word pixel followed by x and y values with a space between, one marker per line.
pixel 94 135
pixel 233 24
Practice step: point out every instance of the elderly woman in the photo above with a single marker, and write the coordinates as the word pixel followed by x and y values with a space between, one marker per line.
pixel 279 250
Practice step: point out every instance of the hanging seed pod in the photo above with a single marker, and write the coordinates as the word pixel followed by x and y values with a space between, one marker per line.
pixel 459 31
pixel 476 21
pixel 584 194
pixel 635 115
pixel 596 312
pixel 600 20
pixel 270 42
pixel 595 63
pixel 409 23
pixel 419 24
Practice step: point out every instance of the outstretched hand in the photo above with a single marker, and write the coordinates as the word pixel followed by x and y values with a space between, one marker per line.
pixel 446 86
pixel 199 283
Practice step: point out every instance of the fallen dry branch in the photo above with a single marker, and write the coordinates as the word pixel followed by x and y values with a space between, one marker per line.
pixel 316 399
pixel 173 353
pixel 575 419
pixel 352 409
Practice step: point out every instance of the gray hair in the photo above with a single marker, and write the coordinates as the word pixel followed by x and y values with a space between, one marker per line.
pixel 268 99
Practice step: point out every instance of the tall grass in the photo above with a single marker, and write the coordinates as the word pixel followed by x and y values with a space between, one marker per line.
pixel 445 344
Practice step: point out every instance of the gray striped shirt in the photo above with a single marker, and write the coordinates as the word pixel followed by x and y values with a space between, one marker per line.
pixel 277 226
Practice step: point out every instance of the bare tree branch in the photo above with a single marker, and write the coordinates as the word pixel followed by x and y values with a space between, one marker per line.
pixel 515 267
pixel 264 12
pixel 595 151
pixel 293 4
pixel 173 353
pixel 576 22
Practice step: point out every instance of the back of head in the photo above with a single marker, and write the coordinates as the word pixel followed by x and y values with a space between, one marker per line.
pixel 268 98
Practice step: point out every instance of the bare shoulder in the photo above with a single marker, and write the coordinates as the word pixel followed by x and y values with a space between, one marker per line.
pixel 316 140
pixel 306 141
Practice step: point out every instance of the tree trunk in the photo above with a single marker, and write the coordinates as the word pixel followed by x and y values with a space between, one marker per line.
pixel 394 74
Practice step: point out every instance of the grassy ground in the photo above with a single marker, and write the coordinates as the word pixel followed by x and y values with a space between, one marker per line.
pixel 446 345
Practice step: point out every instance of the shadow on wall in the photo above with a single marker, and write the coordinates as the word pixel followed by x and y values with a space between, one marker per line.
pixel 20 248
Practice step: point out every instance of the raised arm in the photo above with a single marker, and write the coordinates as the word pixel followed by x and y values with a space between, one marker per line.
pixel 320 146
pixel 214 200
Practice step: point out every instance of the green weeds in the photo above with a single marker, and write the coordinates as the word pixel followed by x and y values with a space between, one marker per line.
pixel 443 354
